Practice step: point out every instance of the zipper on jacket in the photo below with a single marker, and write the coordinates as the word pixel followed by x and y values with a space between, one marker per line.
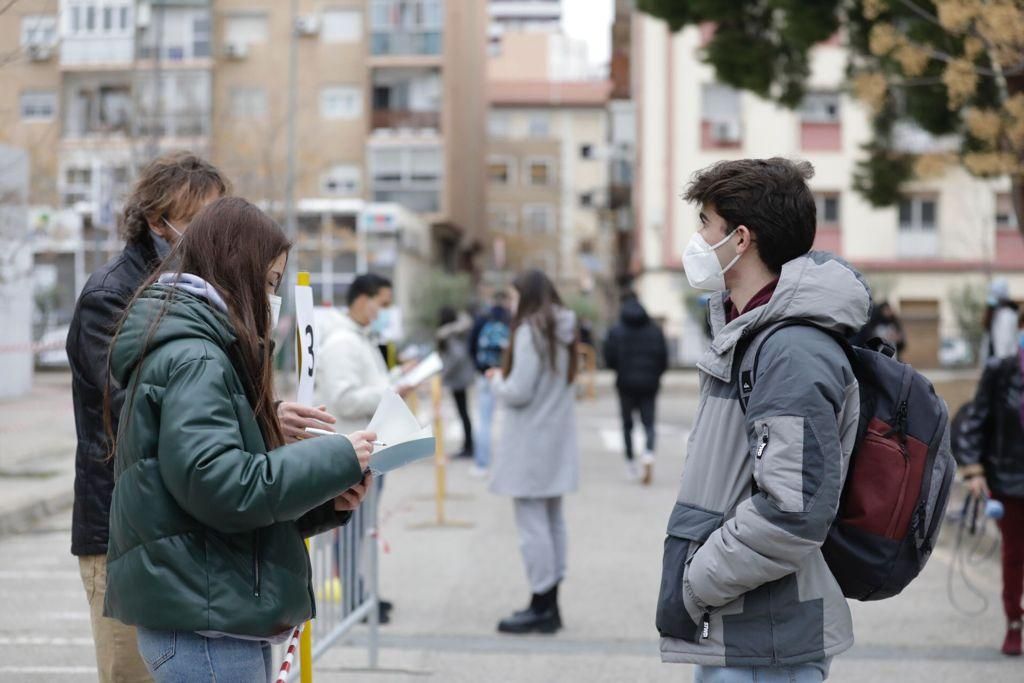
pixel 765 437
pixel 705 626
pixel 256 563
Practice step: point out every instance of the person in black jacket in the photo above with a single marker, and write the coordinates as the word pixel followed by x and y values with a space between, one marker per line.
pixel 990 451
pixel 169 192
pixel 636 350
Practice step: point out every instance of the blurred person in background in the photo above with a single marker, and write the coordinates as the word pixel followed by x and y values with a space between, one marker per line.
pixel 353 373
pixel 488 342
pixel 1001 322
pixel 636 350
pixel 990 452
pixel 883 324
pixel 211 503
pixel 459 373
pixel 537 459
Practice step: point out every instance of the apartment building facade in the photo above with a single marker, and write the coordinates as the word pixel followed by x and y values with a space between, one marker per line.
pixel 547 180
pixel 390 109
pixel 534 16
pixel 949 232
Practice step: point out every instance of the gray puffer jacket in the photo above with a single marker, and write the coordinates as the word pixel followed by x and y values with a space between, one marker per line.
pixel 744 582
pixel 537 454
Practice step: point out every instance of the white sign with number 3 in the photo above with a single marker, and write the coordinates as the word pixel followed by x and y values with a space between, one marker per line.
pixel 305 329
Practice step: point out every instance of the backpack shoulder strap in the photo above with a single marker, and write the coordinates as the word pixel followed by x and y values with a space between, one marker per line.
pixel 749 353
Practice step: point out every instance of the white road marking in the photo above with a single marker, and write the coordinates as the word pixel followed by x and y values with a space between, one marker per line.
pixel 45 641
pixel 33 574
pixel 49 670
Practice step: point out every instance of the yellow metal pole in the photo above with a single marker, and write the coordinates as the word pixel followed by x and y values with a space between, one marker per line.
pixel 440 458
pixel 306 639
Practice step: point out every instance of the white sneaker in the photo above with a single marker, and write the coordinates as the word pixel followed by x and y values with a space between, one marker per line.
pixel 632 471
pixel 477 472
pixel 647 460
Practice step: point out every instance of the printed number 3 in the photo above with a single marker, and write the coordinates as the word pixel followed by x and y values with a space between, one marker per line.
pixel 312 360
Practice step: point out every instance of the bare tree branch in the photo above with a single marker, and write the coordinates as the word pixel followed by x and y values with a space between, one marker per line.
pixel 9 5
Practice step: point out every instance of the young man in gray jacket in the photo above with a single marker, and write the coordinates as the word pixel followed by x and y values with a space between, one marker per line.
pixel 745 591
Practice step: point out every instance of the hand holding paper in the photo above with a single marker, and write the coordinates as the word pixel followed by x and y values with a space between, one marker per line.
pixel 393 425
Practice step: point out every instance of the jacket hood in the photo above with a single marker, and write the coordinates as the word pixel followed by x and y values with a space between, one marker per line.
pixel 633 314
pixel 820 288
pixel 187 316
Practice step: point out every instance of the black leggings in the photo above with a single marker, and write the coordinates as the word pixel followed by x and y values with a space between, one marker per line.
pixel 463 405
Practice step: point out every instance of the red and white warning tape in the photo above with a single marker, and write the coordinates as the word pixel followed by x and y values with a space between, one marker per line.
pixel 289 656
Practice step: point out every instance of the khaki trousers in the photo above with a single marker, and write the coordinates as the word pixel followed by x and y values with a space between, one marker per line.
pixel 117 652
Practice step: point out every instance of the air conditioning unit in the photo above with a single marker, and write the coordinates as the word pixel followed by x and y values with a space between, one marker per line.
pixel 39 53
pixel 143 15
pixel 236 50
pixel 726 131
pixel 307 26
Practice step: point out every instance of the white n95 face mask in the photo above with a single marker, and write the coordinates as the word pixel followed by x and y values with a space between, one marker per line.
pixel 275 310
pixel 701 263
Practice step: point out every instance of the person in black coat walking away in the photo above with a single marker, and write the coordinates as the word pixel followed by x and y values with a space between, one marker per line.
pixel 990 452
pixel 636 350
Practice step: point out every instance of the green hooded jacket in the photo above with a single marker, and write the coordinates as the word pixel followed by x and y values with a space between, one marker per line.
pixel 206 525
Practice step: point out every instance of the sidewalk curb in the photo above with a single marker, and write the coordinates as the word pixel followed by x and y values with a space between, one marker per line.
pixel 22 517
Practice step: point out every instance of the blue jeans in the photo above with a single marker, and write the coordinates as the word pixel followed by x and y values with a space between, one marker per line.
pixel 814 672
pixel 183 656
pixel 485 404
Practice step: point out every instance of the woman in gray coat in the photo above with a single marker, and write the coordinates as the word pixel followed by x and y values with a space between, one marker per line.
pixel 538 461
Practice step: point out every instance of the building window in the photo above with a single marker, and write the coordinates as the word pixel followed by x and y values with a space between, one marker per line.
pixel 38 105
pixel 343 180
pixel 245 29
pixel 90 19
pixel 124 18
pixel 406 27
pixel 341 102
pixel 76 19
pixel 827 204
pixel 342 26
pixel 410 176
pixel 501 219
pixel 918 214
pixel 540 125
pixel 918 227
pixel 720 117
pixel 587 152
pixel 538 218
pixel 498 124
pixel 587 200
pixel 248 103
pixel 500 170
pixel 540 172
pixel 201 37
pixel 1006 216
pixel 820 122
pixel 38 30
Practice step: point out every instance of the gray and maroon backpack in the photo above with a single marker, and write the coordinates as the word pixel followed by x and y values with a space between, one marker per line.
pixel 901 470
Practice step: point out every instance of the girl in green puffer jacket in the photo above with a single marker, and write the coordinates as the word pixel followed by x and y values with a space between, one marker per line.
pixel 210 508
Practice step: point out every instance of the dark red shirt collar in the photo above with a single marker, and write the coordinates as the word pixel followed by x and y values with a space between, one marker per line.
pixel 760 299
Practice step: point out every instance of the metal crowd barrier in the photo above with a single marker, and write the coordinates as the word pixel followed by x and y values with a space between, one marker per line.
pixel 345 565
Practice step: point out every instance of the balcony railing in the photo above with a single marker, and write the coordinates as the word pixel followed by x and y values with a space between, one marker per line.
pixel 400 118
pixel 387 43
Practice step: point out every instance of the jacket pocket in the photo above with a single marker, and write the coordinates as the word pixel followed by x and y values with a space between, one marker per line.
pixel 688 528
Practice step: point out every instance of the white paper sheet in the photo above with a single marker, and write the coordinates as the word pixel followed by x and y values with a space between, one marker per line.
pixel 424 370
pixel 406 441
pixel 308 343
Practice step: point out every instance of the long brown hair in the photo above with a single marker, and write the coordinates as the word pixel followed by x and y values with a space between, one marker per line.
pixel 172 187
pixel 230 244
pixel 538 308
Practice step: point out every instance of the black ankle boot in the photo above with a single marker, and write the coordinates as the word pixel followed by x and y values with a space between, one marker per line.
pixel 540 617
